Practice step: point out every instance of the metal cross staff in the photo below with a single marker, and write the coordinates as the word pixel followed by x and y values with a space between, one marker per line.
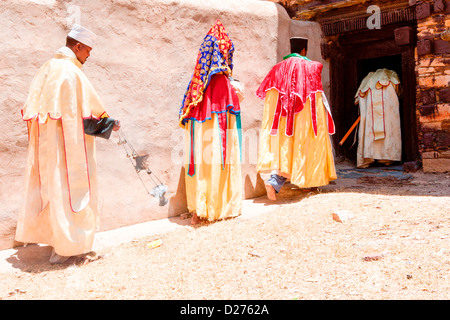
pixel 139 164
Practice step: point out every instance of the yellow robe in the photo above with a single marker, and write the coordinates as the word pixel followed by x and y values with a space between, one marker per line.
pixel 60 199
pixel 306 159
pixel 214 192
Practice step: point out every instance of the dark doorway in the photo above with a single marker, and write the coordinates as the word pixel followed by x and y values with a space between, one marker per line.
pixel 360 53
pixel 394 62
pixel 371 65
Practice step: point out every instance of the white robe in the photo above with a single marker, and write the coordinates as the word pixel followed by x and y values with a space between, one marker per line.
pixel 379 134
pixel 60 193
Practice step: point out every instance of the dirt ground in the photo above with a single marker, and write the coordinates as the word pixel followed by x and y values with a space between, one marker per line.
pixel 392 243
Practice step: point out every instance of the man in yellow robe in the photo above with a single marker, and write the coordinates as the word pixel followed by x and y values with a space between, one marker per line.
pixel 294 140
pixel 61 206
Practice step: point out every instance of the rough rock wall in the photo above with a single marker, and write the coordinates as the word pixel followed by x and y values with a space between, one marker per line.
pixel 140 67
pixel 433 81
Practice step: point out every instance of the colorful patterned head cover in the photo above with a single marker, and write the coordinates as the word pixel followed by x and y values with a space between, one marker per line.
pixel 215 55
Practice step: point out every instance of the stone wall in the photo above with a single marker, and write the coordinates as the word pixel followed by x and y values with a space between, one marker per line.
pixel 433 80
pixel 141 67
pixel 313 32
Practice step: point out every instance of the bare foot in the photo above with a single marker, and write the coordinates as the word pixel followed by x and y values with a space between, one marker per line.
pixel 195 219
pixel 271 193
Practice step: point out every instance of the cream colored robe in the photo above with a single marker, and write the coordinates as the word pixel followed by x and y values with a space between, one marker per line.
pixel 379 134
pixel 60 194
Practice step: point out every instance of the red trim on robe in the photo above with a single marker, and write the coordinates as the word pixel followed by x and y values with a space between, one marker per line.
pixel 296 80
pixel 331 128
pixel 220 98
pixel 313 112
pixel 191 168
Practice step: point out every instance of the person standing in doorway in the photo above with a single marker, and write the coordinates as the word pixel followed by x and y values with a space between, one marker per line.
pixel 379 133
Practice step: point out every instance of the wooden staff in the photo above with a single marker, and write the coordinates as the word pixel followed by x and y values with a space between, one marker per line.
pixel 350 131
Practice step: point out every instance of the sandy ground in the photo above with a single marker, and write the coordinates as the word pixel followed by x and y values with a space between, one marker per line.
pixel 392 243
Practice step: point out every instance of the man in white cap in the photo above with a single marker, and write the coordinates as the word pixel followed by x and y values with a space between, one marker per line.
pixel 63 114
pixel 81 41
